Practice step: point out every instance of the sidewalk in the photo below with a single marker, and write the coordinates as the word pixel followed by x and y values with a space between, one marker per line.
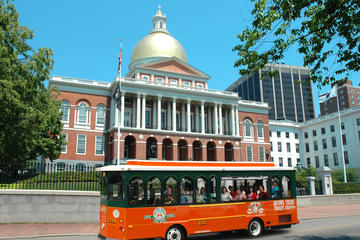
pixel 20 231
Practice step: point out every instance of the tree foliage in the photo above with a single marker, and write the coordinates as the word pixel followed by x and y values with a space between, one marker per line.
pixel 30 120
pixel 325 32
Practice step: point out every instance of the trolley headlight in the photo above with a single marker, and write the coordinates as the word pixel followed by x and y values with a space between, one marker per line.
pixel 103 226
pixel 122 229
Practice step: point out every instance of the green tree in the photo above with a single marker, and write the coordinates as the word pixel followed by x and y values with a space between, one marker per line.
pixel 325 32
pixel 30 120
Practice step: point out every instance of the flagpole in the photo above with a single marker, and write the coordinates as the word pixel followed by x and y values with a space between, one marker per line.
pixel 341 136
pixel 118 112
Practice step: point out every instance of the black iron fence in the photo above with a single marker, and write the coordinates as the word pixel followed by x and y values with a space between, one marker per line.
pixel 51 176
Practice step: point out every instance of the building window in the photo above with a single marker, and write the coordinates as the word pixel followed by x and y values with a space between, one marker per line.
pixel 100 114
pixel 279 147
pixel 308 162
pixel 305 135
pixel 307 149
pixel 296 136
pixel 82 113
pixel 65 109
pixel 64 147
pixel 281 162
pixel 344 139
pixel 314 133
pixel 163 119
pixel 173 81
pixel 359 135
pixel 317 162
pixel 352 102
pixel 326 160
pixel 200 85
pixel 186 84
pixel 342 125
pixel 333 141
pixel 249 153
pixel 270 133
pixel 148 117
pixel 336 161
pixel 288 148
pixel 99 145
pixel 278 133
pixel 272 159
pixel 261 154
pixel 315 146
pixel 81 144
pixel 323 131
pixel 297 147
pixel 332 128
pixel 260 129
pixel 178 127
pixel 358 121
pixel 346 157
pixel 324 143
pixel 271 145
pixel 248 128
pixel 159 80
pixel 145 78
pixel 289 162
pixel 287 134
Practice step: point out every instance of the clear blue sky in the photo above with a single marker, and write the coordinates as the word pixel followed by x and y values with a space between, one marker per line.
pixel 85 35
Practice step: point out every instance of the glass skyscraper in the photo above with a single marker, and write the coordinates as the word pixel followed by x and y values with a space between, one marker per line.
pixel 289 93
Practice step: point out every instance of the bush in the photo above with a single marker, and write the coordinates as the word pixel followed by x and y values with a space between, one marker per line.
pixel 340 188
pixel 352 175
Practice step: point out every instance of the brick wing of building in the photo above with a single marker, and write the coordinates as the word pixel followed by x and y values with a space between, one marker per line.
pixel 167 112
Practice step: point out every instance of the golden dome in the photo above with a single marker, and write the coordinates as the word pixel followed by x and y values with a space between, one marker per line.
pixel 157 44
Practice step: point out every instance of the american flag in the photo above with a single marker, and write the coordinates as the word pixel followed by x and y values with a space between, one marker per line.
pixel 120 56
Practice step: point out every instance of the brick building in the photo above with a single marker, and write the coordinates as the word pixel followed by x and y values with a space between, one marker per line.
pixel 167 112
pixel 349 96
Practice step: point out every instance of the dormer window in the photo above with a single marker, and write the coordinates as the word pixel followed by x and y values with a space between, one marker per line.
pixel 145 78
pixel 200 85
pixel 173 81
pixel 187 84
pixel 159 80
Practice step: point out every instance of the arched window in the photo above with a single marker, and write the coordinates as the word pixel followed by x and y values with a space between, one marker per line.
pixel 80 167
pixel 248 128
pixel 153 191
pixel 100 114
pixel 83 113
pixel 275 187
pixel 60 167
pixel 170 197
pixel 286 187
pixel 260 129
pixel 136 191
pixel 186 190
pixel 201 190
pixel 212 189
pixel 65 109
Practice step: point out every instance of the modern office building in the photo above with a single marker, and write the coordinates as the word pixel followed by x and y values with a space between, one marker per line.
pixel 289 93
pixel 349 96
pixel 167 112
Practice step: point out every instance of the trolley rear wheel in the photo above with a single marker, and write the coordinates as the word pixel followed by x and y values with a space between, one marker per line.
pixel 255 228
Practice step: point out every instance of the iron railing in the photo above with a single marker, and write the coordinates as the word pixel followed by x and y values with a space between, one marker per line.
pixel 51 176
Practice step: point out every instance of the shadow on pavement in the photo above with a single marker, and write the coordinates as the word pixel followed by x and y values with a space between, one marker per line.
pixel 338 237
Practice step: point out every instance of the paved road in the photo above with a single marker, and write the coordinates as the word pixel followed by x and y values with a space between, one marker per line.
pixel 344 228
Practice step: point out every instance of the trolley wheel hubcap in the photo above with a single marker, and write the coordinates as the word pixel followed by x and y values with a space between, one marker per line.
pixel 255 228
pixel 174 233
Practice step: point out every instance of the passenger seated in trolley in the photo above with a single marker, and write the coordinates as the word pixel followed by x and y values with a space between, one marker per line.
pixel 169 196
pixel 201 197
pixel 251 195
pixel 225 195
pixel 262 194
pixel 240 195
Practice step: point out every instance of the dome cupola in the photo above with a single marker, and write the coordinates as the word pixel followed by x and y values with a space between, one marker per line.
pixel 158 44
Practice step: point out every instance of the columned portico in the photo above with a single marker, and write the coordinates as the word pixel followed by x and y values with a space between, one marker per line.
pixel 216 119
pixel 143 111
pixel 220 120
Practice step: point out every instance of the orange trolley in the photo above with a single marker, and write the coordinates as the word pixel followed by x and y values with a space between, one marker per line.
pixel 173 200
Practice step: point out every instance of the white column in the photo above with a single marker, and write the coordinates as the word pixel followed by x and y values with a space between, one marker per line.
pixel 133 112
pixel 138 109
pixel 202 117
pixel 182 116
pixel 237 132
pixel 143 111
pixel 159 113
pixel 174 114
pixel 154 114
pixel 197 118
pixel 220 120
pixel 188 119
pixel 152 77
pixel 216 127
pixel 122 110
pixel 116 115
pixel 232 121
pixel 210 119
pixel 168 115
pixel 137 75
